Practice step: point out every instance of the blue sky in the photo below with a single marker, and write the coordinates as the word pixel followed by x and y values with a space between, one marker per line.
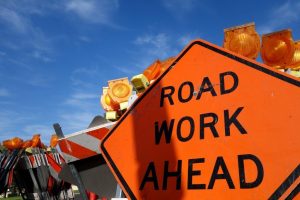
pixel 56 55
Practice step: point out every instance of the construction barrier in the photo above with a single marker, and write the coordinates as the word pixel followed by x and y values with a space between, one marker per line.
pixel 35 172
pixel 8 161
pixel 85 165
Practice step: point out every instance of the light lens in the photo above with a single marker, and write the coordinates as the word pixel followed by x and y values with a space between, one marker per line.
pixel 27 144
pixel 243 40
pixel 295 62
pixel 53 141
pixel 14 143
pixel 119 90
pixel 277 48
pixel 165 64
pixel 36 140
pixel 106 101
pixel 152 72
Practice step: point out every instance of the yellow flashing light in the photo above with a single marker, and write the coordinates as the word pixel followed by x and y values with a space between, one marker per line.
pixel 119 90
pixel 53 141
pixel 107 103
pixel 277 48
pixel 166 64
pixel 14 143
pixel 153 71
pixel 243 40
pixel 36 140
pixel 295 62
pixel 26 144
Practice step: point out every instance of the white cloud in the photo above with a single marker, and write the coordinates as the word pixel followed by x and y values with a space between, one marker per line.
pixel 41 56
pixel 32 7
pixel 76 121
pixel 157 45
pixel 9 123
pixel 83 103
pixel 82 100
pixel 84 96
pixel 267 28
pixel 146 39
pixel 21 34
pixel 78 111
pixel 184 40
pixel 84 9
pixel 4 92
pixel 20 64
pixel 39 80
pixel 2 53
pixel 180 9
pixel 93 11
pixel 85 71
pixel 281 17
pixel 6 119
pixel 21 124
pixel 45 130
pixel 84 38
pixel 81 77
pixel 127 70
pixel 150 48
pixel 288 12
pixel 14 20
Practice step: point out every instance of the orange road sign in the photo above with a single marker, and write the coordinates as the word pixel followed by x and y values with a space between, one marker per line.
pixel 215 125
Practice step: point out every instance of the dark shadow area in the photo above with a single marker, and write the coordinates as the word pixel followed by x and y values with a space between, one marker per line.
pixel 159 170
pixel 94 174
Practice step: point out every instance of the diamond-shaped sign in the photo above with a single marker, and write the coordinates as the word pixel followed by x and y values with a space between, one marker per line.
pixel 215 125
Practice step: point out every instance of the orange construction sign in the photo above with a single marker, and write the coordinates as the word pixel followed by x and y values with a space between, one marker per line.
pixel 215 125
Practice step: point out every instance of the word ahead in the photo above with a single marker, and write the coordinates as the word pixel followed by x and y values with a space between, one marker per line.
pixel 152 179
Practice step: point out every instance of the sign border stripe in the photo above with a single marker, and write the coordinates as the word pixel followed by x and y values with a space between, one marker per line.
pixel 294 193
pixel 205 45
pixel 286 184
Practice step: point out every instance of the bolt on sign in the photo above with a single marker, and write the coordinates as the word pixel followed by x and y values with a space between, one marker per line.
pixel 215 125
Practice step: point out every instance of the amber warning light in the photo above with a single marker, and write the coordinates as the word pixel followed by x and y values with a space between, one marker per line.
pixel 277 48
pixel 243 40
